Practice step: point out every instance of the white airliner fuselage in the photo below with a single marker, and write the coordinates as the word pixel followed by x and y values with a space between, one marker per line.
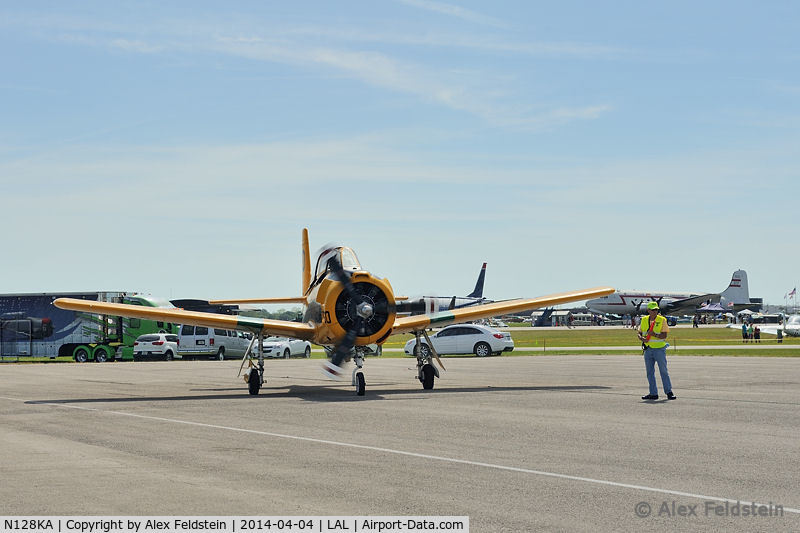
pixel 626 302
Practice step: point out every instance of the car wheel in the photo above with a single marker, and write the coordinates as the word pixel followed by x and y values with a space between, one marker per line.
pixel 307 353
pixel 482 349
pixel 424 350
pixel 286 353
pixel 221 354
pixel 81 355
pixel 168 356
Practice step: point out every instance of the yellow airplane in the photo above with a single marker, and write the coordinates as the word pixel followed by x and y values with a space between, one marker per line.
pixel 346 309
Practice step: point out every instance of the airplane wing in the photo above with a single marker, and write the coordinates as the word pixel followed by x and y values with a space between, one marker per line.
pixel 465 314
pixel 289 300
pixel 688 304
pixel 193 318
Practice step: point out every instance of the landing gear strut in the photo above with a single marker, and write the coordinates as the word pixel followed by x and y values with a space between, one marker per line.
pixel 358 376
pixel 426 372
pixel 254 375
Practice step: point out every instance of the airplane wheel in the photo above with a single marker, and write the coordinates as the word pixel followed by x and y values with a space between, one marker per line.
pixel 361 385
pixel 482 349
pixel 427 377
pixel 254 382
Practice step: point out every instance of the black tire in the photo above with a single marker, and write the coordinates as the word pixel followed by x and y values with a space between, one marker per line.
pixel 221 354
pixel 81 355
pixel 253 382
pixel 424 350
pixel 168 356
pixel 100 355
pixel 286 353
pixel 307 353
pixel 482 349
pixel 361 384
pixel 428 376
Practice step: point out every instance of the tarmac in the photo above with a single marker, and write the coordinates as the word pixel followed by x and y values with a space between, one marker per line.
pixel 529 443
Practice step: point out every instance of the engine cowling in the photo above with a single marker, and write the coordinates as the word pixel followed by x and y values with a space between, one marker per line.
pixel 370 296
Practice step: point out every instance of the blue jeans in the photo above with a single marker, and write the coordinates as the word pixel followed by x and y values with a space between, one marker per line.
pixel 651 357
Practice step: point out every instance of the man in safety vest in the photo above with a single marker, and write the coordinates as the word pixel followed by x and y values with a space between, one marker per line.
pixel 652 332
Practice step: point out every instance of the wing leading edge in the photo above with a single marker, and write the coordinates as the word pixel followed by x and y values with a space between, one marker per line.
pixel 192 318
pixel 475 312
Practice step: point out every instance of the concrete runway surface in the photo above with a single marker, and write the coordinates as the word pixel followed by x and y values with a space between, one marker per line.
pixel 556 443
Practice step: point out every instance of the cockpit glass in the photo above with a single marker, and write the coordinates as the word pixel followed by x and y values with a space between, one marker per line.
pixel 349 260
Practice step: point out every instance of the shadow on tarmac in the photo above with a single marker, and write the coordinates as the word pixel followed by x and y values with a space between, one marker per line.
pixel 320 393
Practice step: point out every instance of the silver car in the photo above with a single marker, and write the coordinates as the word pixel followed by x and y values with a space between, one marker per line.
pixel 465 338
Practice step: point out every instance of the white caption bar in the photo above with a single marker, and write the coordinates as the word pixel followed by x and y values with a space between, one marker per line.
pixel 231 524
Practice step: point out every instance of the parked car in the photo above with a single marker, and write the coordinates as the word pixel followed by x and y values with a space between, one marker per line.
pixel 162 346
pixel 201 341
pixel 465 338
pixel 285 347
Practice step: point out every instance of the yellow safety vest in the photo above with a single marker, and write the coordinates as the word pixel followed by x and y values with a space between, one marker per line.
pixel 645 327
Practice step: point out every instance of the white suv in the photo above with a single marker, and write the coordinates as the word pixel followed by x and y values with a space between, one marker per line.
pixel 162 346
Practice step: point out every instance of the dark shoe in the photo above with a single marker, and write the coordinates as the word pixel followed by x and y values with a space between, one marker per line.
pixel 671 396
pixel 650 397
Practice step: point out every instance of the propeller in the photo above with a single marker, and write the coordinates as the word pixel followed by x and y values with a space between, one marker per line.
pixel 361 309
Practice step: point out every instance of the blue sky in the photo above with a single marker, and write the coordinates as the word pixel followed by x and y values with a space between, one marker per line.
pixel 179 149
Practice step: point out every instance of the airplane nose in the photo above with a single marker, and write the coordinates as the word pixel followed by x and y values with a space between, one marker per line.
pixel 364 310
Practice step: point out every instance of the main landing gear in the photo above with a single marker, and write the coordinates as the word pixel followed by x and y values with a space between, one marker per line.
pixel 426 372
pixel 254 375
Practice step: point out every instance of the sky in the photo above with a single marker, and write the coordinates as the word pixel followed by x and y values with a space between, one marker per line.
pixel 179 148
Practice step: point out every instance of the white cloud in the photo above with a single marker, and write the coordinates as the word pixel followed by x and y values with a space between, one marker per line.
pixel 454 11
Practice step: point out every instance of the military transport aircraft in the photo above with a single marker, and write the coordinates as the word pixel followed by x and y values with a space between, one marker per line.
pixel 346 308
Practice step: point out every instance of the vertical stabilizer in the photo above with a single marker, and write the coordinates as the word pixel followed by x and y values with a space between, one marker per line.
pixel 478 292
pixel 737 292
pixel 306 281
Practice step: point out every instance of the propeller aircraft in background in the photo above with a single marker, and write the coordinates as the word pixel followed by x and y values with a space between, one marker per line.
pixel 434 304
pixel 346 309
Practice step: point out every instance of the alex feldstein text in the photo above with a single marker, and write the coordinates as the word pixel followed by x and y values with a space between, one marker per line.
pixel 232 524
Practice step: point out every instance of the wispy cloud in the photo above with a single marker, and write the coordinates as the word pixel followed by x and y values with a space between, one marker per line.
pixel 455 11
pixel 477 91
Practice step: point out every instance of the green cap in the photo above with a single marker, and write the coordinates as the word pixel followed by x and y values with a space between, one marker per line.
pixel 652 305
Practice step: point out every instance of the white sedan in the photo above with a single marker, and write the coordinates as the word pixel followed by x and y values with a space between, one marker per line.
pixel 286 347
pixel 463 339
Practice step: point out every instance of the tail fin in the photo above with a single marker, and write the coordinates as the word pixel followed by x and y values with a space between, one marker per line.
pixel 306 280
pixel 737 292
pixel 478 291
